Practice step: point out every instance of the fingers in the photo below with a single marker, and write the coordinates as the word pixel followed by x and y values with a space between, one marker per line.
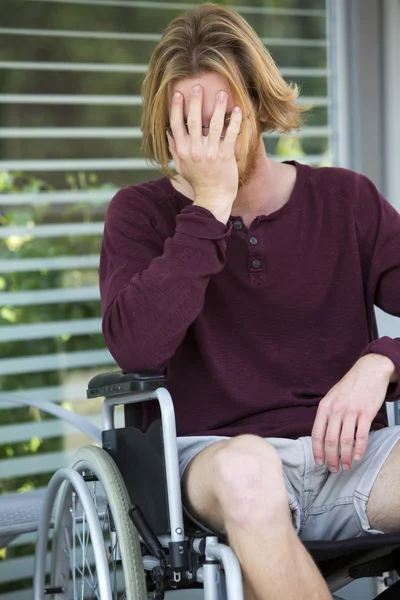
pixel 347 441
pixel 176 121
pixel 172 149
pixel 233 130
pixel 343 432
pixel 325 437
pixel 318 436
pixel 328 431
pixel 194 119
pixel 332 443
pixel 334 434
pixel 218 119
pixel 363 428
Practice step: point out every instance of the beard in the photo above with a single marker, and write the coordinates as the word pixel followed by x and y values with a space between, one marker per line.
pixel 247 173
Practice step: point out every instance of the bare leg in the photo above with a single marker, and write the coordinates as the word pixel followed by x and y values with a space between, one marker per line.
pixel 274 562
pixel 382 506
pixel 236 487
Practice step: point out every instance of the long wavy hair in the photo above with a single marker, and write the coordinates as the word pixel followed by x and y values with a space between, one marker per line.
pixel 213 38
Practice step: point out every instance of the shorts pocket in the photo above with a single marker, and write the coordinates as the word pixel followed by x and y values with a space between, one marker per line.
pixel 335 521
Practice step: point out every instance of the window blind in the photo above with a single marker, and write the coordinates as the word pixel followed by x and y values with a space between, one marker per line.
pixel 70 104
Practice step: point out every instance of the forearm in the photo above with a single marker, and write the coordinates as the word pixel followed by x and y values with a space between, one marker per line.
pixel 158 297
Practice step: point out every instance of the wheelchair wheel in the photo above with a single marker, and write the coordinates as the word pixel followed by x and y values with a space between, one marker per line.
pixel 73 568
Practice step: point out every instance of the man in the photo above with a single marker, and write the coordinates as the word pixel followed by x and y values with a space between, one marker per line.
pixel 252 284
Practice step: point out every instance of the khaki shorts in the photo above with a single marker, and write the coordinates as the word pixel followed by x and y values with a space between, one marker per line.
pixel 324 505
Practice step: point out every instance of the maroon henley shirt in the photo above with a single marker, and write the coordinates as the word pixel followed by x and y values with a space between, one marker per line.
pixel 252 326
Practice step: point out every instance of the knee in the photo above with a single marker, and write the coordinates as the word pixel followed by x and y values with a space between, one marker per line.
pixel 244 458
pixel 249 474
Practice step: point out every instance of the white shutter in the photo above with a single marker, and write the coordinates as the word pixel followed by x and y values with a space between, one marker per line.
pixel 71 72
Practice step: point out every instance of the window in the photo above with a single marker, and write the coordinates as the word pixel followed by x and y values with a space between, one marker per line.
pixel 70 104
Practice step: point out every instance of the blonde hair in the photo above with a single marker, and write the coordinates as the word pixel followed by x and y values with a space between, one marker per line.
pixel 213 38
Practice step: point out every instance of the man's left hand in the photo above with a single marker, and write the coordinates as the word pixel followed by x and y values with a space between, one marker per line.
pixel 351 404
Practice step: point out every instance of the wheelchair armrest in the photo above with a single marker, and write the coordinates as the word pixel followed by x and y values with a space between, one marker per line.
pixel 117 382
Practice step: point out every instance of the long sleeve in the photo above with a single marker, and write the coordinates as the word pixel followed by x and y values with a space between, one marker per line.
pixel 153 285
pixel 378 225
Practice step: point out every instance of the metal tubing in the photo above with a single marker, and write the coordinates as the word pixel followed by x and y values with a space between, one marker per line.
pixel 107 415
pixel 170 449
pixel 93 523
pixel 231 565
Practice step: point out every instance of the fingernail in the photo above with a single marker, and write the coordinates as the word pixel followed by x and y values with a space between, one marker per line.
pixel 357 457
pixel 319 462
pixel 345 467
pixel 333 469
pixel 196 90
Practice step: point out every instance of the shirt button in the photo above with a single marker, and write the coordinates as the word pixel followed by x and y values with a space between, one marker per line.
pixel 253 240
pixel 238 224
pixel 256 263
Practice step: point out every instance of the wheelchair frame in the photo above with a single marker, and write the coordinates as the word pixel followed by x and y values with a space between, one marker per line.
pixel 178 545
pixel 217 584
pixel 198 559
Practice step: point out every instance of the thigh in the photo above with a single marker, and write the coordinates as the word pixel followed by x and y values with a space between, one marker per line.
pixel 196 454
pixel 337 507
pixel 384 499
pixel 199 502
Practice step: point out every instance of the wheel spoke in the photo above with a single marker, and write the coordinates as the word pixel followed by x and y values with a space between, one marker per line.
pixel 73 542
pixel 89 583
pixel 78 561
pixel 113 554
pixel 95 590
pixel 69 554
pixel 84 554
pixel 84 560
pixel 94 498
pixel 83 541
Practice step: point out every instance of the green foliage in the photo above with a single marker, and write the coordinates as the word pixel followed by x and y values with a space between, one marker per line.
pixel 27 245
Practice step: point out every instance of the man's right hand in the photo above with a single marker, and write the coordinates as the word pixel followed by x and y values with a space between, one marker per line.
pixel 206 162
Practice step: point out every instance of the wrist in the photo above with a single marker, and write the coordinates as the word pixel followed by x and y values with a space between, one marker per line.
pixel 384 363
pixel 218 214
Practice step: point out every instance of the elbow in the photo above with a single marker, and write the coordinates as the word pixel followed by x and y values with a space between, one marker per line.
pixel 127 346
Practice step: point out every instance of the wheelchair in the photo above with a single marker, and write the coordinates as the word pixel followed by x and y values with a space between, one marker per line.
pixel 118 526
